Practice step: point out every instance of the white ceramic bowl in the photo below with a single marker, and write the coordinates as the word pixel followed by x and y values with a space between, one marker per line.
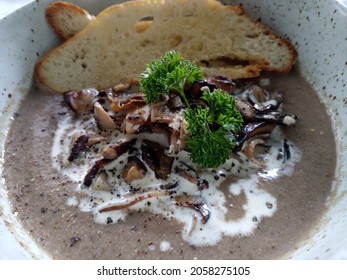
pixel 317 28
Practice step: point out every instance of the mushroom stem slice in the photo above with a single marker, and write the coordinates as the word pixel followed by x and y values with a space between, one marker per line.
pixel 79 146
pixel 127 202
pixel 116 150
pixel 102 118
pixel 196 203
pixel 101 183
pixel 134 170
pixel 94 170
pixel 80 101
pixel 276 117
pixel 251 130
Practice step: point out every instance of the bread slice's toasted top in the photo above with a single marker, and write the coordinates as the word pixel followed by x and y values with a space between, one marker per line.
pixel 67 19
pixel 118 44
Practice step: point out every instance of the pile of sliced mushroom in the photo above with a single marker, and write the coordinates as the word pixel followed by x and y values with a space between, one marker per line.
pixel 124 109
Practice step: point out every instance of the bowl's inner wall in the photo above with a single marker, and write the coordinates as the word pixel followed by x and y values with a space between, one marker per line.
pixel 317 29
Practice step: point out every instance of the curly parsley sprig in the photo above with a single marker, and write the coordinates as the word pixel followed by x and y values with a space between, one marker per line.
pixel 168 73
pixel 212 130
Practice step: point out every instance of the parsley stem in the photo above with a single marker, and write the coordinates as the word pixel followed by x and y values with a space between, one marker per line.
pixel 183 96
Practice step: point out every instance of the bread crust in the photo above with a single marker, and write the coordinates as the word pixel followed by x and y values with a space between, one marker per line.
pixel 282 41
pixel 117 45
pixel 67 19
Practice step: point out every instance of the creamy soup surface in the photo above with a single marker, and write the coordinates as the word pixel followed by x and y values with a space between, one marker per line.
pixel 253 213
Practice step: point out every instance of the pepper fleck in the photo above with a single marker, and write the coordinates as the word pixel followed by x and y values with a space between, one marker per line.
pixel 74 240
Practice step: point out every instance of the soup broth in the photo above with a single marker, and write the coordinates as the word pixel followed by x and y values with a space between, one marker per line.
pixel 48 201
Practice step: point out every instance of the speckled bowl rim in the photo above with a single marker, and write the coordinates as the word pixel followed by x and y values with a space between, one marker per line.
pixel 317 28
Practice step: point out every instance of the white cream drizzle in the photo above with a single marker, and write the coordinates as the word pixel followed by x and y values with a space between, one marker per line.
pixel 259 203
pixel 165 246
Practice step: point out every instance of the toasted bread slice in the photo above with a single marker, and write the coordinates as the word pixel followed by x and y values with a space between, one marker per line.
pixel 124 38
pixel 67 19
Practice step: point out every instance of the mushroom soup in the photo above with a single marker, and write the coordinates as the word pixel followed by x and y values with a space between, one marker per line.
pixel 91 204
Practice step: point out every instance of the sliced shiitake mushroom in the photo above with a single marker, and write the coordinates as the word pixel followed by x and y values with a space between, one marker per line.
pixel 79 146
pixel 194 202
pixel 134 170
pixel 102 118
pixel 80 101
pixel 115 150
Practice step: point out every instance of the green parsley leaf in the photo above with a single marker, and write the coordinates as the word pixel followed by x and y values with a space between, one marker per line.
pixel 223 108
pixel 168 73
pixel 212 130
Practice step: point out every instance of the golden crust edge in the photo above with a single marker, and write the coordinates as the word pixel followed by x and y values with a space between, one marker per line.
pixel 251 70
